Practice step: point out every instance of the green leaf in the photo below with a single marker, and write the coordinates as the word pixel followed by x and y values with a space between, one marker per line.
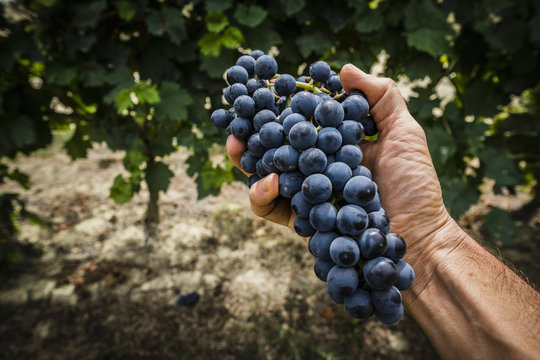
pixel 481 98
pixel 232 37
pixel 263 37
pixel 21 131
pixel 125 10
pixel 369 21
pixel 217 5
pixel 429 40
pixel 60 75
pixel 158 176
pixel 441 145
pixel 458 195
pixel 210 44
pixel 92 74
pixel 212 177
pixel 146 93
pixel 292 7
pixel 499 167
pixel 500 226
pixel 154 23
pixel 175 24
pixel 123 100
pixel 174 103
pixel 216 66
pixel 249 16
pixel 135 157
pixel 77 147
pixel 316 42
pixel 216 21
pixel 121 191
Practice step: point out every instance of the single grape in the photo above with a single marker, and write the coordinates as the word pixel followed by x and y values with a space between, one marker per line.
pixel 323 216
pixel 280 105
pixel 237 90
pixel 283 115
pixel 255 146
pixel 329 113
pixel 266 67
pixel 351 220
pixel 227 95
pixel 337 298
pixel 319 71
pixel 373 205
pixel 289 121
pixel 386 301
pixel 396 247
pixel 285 85
pixel 344 251
pixel 248 63
pixel 317 188
pixel 286 158
pixel 304 103
pixel 300 206
pixel 330 159
pixel 262 117
pixel 256 54
pixel 268 161
pixel 338 173
pixel 351 131
pixel 261 170
pixel 303 227
pixel 272 135
pixel 350 155
pixel 405 275
pixel 248 162
pixel 372 243
pixel 370 126
pixel 323 96
pixel 361 171
pixel 355 107
pixel 342 281
pixel 301 79
pixel 359 304
pixel 312 161
pixel 253 84
pixel 329 140
pixel 241 128
pixel 264 99
pixel 252 180
pixel 379 220
pixel 319 244
pixel 189 299
pixel 390 319
pixel 334 83
pixel 380 273
pixel 302 135
pixel 359 190
pixel 290 183
pixel 220 118
pixel 237 74
pixel 244 106
pixel 322 267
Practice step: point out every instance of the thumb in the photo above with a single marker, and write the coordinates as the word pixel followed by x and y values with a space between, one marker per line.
pixel 382 94
pixel 263 194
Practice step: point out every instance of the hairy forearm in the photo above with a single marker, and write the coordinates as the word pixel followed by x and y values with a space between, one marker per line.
pixel 471 305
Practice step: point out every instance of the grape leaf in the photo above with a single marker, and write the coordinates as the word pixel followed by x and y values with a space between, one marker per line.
pixel 292 7
pixel 77 146
pixel 481 98
pixel 210 44
pixel 174 103
pixel 368 21
pixel 499 167
pixel 249 16
pixel 313 42
pixel 441 145
pixel 263 37
pixel 217 5
pixel 158 176
pixel 174 23
pixel 216 66
pixel 499 225
pixel 60 75
pixel 154 23
pixel 92 74
pixel 21 131
pixel 429 40
pixel 216 21
pixel 121 191
pixel 232 37
pixel 458 195
pixel 125 10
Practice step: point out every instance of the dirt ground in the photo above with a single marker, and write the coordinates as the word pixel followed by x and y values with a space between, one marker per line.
pixel 91 288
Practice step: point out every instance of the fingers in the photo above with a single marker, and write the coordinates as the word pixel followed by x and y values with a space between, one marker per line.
pixel 385 100
pixel 263 195
pixel 235 149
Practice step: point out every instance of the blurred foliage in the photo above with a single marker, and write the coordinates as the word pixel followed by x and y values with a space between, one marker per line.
pixel 142 76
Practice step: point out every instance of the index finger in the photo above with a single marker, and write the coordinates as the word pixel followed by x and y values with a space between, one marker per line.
pixel 235 149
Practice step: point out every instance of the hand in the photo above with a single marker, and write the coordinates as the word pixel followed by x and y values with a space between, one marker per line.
pixel 264 194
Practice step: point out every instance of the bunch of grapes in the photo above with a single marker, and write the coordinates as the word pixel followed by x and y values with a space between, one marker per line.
pixel 307 130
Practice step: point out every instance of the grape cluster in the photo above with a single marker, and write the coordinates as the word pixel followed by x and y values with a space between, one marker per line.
pixel 307 130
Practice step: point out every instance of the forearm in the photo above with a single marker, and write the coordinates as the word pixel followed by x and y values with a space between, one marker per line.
pixel 469 304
